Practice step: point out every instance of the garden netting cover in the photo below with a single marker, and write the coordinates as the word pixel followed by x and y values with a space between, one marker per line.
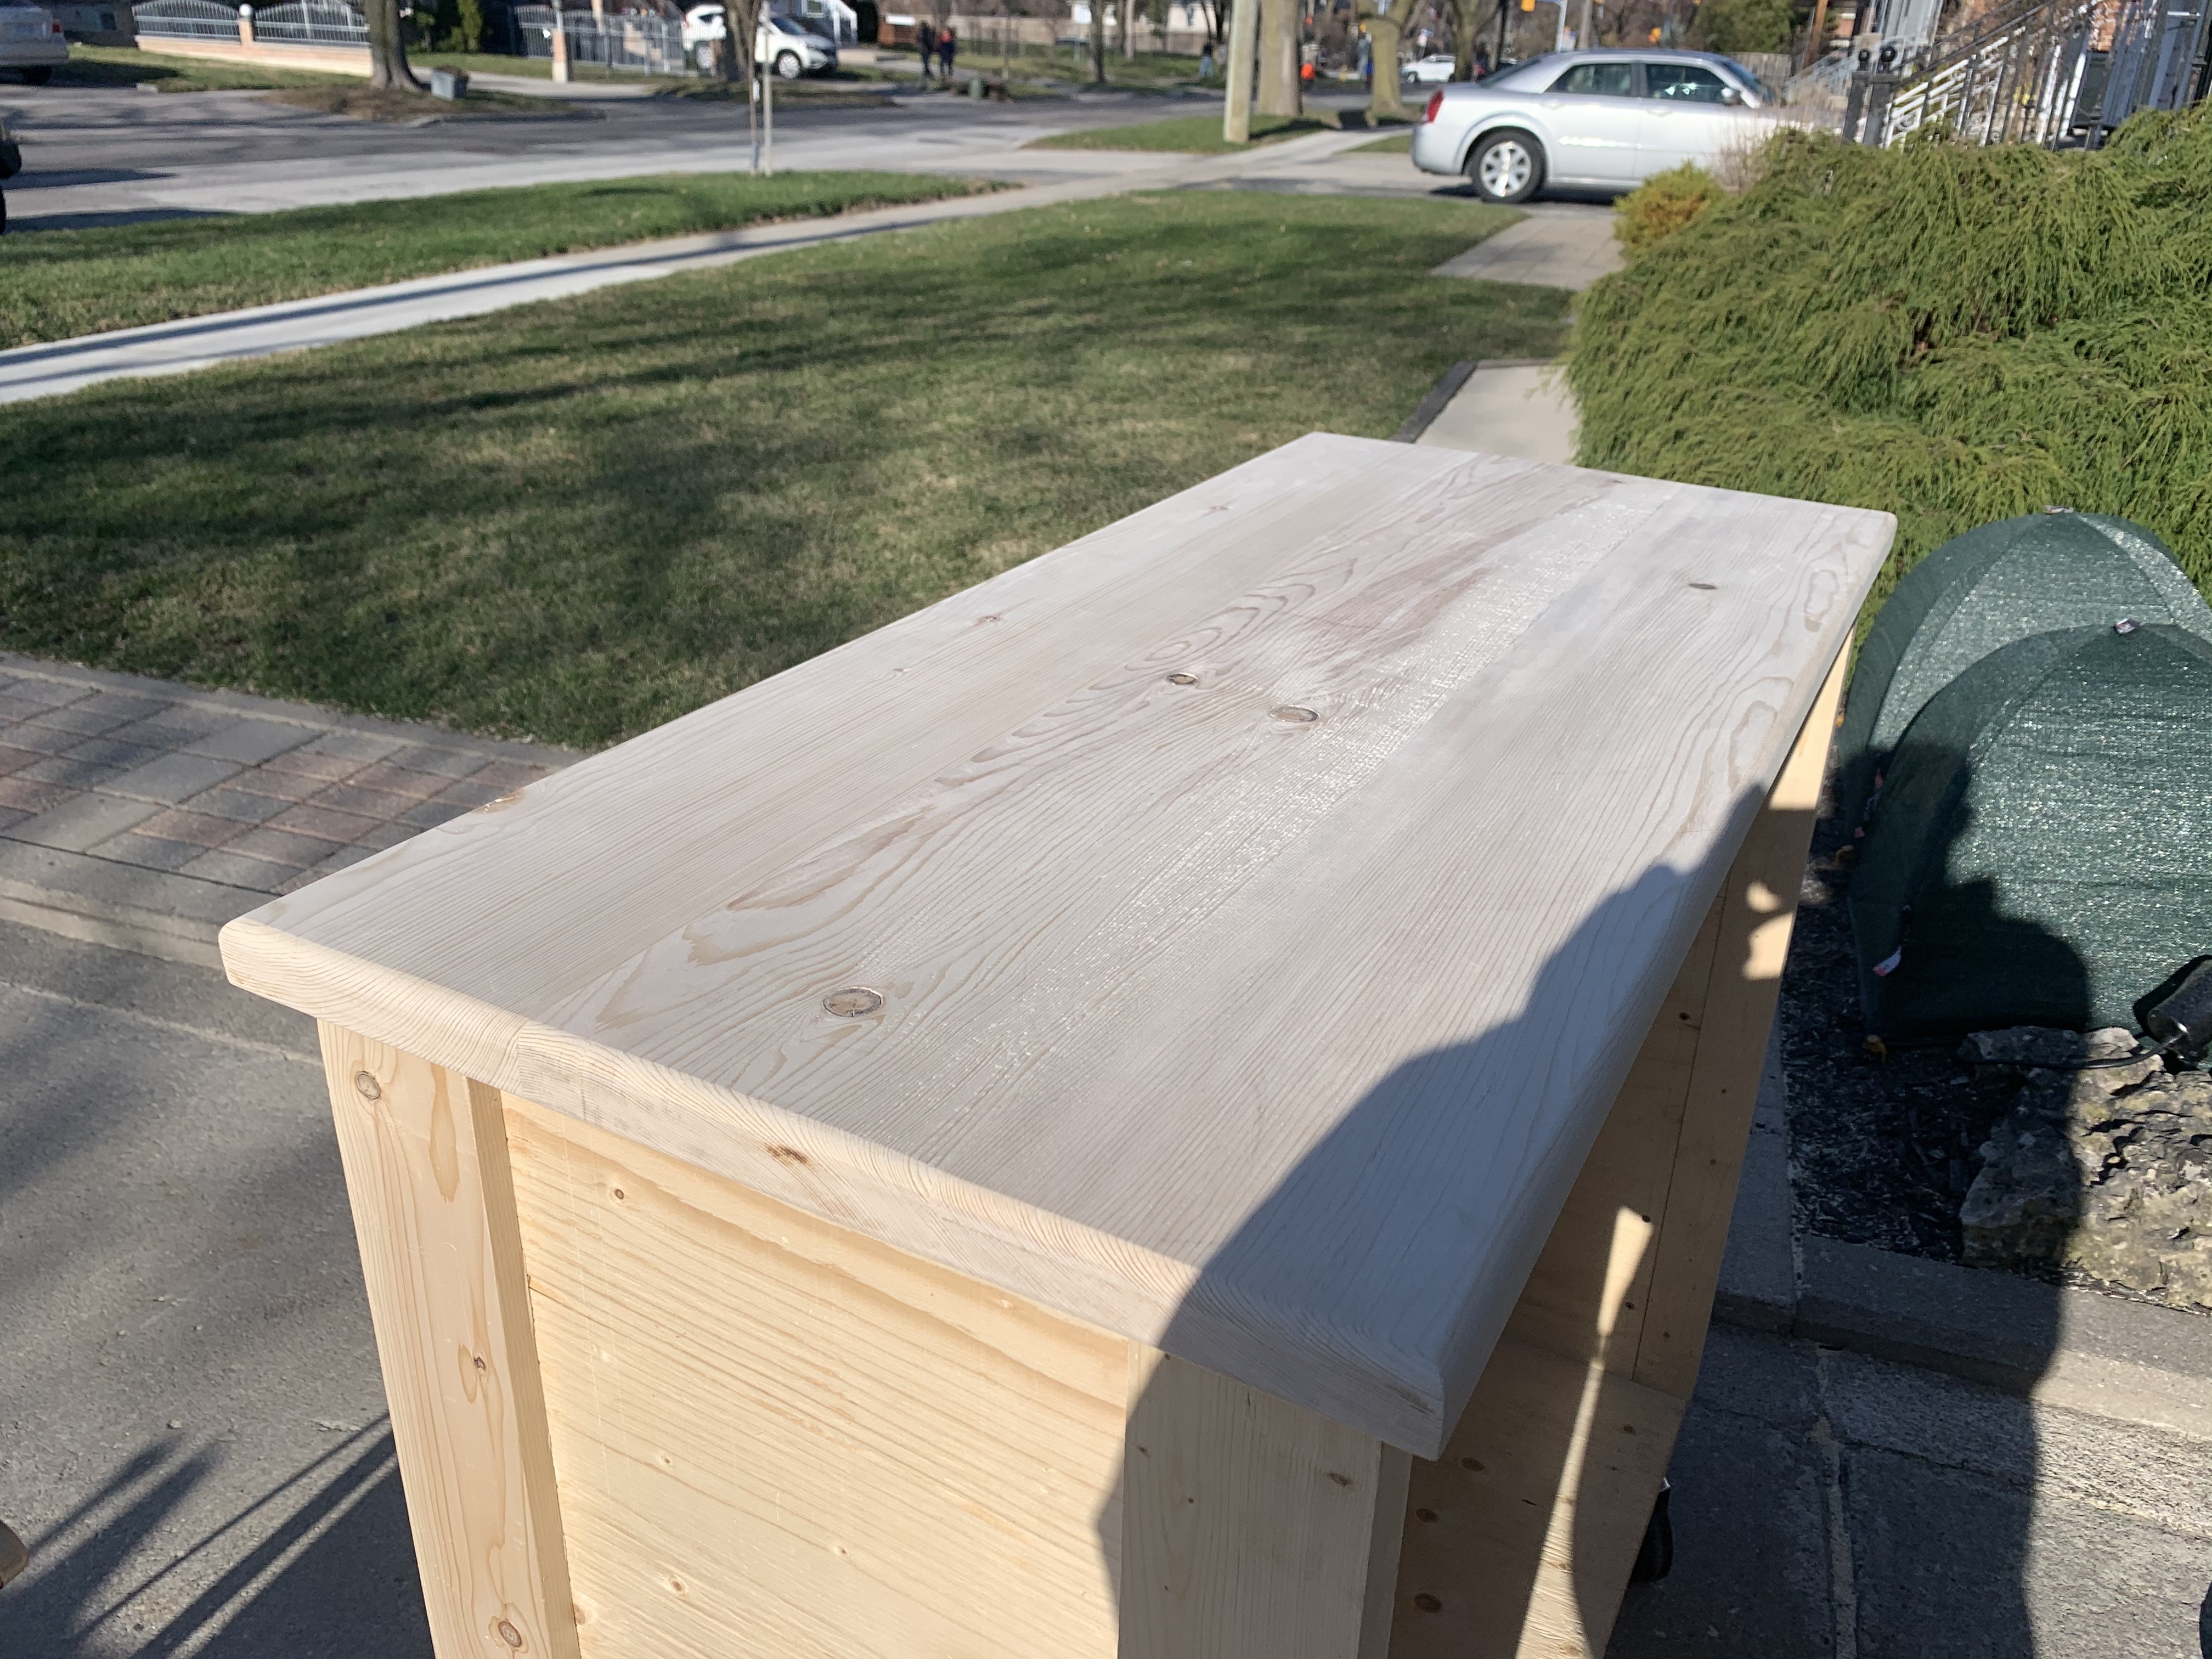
pixel 1983 590
pixel 2041 851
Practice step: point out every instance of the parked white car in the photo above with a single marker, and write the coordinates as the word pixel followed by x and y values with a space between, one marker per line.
pixel 1592 120
pixel 1434 71
pixel 31 42
pixel 791 50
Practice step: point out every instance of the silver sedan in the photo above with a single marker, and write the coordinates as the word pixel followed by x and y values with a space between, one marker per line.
pixel 1601 119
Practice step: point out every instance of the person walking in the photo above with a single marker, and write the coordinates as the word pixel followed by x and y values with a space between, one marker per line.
pixel 925 41
pixel 1205 63
pixel 947 44
pixel 11 163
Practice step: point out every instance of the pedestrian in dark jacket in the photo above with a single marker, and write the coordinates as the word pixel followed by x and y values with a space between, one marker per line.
pixel 946 46
pixel 925 41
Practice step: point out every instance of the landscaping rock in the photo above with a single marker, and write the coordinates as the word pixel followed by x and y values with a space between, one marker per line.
pixel 2107 1172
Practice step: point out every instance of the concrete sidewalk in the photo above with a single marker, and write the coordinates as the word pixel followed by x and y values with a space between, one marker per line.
pixel 58 367
pixel 1560 245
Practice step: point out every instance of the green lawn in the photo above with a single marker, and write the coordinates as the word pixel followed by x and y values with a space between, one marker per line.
pixel 54 284
pixel 1196 134
pixel 127 66
pixel 578 519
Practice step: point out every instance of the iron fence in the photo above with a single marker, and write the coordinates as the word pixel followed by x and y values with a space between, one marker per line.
pixel 635 43
pixel 2036 71
pixel 311 23
pixel 187 19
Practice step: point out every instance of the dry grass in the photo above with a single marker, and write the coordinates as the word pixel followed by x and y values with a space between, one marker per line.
pixel 365 103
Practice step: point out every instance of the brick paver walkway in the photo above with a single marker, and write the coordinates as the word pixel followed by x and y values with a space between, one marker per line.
pixel 241 791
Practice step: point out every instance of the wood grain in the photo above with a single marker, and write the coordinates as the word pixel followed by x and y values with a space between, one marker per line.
pixel 1272 1042
pixel 424 1153
pixel 1521 1536
pixel 1253 1529
pixel 777 1438
pixel 1519 1539
pixel 1759 914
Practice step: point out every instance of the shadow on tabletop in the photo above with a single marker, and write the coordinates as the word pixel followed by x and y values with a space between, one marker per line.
pixel 1969 1599
pixel 1368 1166
pixel 336 1577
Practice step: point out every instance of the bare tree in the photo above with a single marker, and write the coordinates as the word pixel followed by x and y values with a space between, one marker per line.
pixel 1098 40
pixel 388 48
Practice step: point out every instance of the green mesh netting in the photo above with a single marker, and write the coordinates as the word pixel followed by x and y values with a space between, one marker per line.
pixel 2041 851
pixel 1983 590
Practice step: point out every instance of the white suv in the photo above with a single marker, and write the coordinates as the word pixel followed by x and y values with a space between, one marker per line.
pixel 31 42
pixel 786 47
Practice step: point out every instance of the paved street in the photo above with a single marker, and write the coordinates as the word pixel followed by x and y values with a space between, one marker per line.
pixel 98 156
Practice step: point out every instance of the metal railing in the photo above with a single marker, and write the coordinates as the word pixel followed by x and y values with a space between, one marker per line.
pixel 629 42
pixel 2036 71
pixel 2158 60
pixel 311 23
pixel 181 20
pixel 2016 76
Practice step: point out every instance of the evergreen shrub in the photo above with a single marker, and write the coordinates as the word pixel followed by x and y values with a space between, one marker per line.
pixel 1955 334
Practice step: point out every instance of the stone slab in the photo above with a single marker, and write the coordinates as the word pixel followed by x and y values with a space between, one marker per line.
pixel 1560 245
pixel 1512 409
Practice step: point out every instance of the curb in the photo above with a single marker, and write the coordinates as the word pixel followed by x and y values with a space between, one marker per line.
pixel 1442 393
pixel 2102 1356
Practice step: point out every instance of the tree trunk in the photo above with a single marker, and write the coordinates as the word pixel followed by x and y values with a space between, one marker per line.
pixel 1384 101
pixel 1128 31
pixel 1278 58
pixel 740 30
pixel 1237 109
pixel 1467 34
pixel 388 48
pixel 1098 40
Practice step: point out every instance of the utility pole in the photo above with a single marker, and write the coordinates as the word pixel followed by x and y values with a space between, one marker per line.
pixel 1243 46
